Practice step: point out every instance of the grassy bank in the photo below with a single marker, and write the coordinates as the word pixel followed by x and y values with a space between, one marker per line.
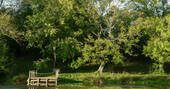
pixel 95 79
pixel 113 78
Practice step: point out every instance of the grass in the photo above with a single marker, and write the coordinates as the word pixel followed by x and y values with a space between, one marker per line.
pixel 104 79
pixel 85 76
pixel 113 78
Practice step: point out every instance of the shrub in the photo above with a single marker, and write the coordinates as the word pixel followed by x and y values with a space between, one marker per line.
pixel 20 79
pixel 5 56
pixel 43 65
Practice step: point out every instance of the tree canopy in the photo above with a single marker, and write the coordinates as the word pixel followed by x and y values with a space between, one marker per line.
pixel 78 32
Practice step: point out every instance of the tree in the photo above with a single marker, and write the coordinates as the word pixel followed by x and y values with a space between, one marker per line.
pixel 112 36
pixel 19 15
pixel 8 34
pixel 154 33
pixel 7 28
pixel 158 47
pixel 48 30
pixel 101 51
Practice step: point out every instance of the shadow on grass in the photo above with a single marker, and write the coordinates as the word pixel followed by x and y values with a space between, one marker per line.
pixel 151 80
pixel 68 81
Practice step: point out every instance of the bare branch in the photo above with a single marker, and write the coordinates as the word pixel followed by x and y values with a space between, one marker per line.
pixel 1 2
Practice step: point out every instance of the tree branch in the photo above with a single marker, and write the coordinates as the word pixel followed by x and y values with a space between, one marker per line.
pixel 1 2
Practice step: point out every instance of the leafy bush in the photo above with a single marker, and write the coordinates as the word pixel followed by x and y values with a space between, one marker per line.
pixel 43 65
pixel 20 79
pixel 5 60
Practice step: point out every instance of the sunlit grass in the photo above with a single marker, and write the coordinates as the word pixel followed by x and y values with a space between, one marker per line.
pixel 92 78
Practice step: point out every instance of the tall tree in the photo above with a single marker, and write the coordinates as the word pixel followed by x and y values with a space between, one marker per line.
pixel 158 47
pixel 6 32
pixel 49 28
pixel 108 42
pixel 155 35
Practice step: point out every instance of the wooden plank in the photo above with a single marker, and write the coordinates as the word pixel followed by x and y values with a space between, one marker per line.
pixel 43 77
pixel 46 82
pixel 49 85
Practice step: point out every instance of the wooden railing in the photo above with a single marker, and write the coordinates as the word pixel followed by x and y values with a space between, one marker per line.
pixel 42 79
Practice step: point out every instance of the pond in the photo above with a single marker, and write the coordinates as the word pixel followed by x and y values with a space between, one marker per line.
pixel 85 87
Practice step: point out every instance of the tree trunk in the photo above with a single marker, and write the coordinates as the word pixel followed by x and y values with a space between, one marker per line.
pixel 160 68
pixel 157 68
pixel 54 51
pixel 100 69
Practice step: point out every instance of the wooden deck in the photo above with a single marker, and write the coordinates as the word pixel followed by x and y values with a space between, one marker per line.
pixel 35 80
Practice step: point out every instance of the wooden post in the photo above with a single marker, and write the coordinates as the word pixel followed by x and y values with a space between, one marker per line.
pixel 29 74
pixel 32 73
pixel 38 82
pixel 36 73
pixel 57 71
pixel 54 51
pixel 28 81
pixel 47 82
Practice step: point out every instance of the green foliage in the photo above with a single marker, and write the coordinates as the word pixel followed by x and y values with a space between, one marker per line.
pixel 8 34
pixel 46 29
pixel 5 32
pixel 8 29
pixel 155 34
pixel 19 16
pixel 66 31
pixel 158 47
pixel 76 32
pixel 42 64
pixel 68 48
pixel 5 56
pixel 99 51
pixel 20 79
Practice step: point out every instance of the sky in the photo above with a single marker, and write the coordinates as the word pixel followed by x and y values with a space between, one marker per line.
pixel 11 3
pixel 14 3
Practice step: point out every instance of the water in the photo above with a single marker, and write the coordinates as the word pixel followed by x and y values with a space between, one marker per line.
pixel 85 87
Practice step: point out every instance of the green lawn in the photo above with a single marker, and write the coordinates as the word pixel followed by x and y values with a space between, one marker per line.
pixel 113 78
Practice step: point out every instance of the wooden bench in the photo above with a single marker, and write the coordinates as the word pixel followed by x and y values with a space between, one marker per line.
pixel 34 80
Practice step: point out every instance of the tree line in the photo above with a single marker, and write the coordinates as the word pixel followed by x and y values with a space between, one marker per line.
pixel 77 32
